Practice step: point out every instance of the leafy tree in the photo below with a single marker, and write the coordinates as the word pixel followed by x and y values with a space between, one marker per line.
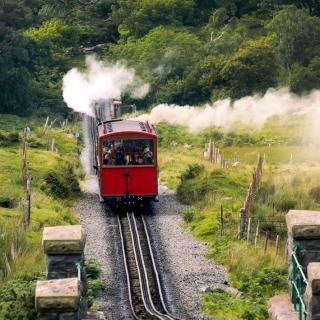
pixel 253 68
pixel 137 17
pixel 303 79
pixel 297 36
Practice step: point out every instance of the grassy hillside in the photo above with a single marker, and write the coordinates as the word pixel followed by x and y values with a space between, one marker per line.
pixel 22 259
pixel 290 181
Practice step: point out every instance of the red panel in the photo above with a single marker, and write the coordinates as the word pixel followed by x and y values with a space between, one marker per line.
pixel 141 181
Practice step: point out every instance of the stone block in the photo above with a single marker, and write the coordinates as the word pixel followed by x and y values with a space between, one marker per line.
pixel 60 295
pixel 312 303
pixel 281 308
pixel 303 224
pixel 64 239
pixel 314 277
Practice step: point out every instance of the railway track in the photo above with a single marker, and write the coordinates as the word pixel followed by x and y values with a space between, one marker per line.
pixel 144 288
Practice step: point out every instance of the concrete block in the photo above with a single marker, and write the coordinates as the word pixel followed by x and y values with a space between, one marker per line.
pixel 281 308
pixel 60 295
pixel 303 224
pixel 313 272
pixel 64 239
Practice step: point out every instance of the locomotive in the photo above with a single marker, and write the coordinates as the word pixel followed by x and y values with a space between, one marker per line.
pixel 127 168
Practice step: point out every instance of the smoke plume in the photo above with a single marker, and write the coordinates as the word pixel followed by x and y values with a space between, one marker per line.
pixel 251 111
pixel 100 82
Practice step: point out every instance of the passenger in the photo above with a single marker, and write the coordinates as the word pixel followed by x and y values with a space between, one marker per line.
pixel 119 159
pixel 108 157
pixel 147 156
pixel 140 160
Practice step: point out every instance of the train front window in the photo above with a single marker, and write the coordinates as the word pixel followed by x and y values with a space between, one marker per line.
pixel 128 152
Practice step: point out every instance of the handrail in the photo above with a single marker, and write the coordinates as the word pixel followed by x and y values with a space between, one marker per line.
pixel 299 286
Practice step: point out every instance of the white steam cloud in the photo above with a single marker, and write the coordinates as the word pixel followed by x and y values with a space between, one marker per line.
pixel 253 111
pixel 100 82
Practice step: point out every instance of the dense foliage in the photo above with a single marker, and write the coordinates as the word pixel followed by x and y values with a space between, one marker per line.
pixel 189 51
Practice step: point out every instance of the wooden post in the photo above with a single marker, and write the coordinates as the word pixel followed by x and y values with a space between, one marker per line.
pixel 241 223
pixel 266 242
pixel 52 144
pixel 277 244
pixel 211 151
pixel 45 126
pixel 249 230
pixel 26 183
pixel 257 234
pixel 221 221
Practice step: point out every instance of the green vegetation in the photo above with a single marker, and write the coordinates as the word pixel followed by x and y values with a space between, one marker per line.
pixel 290 181
pixel 234 48
pixel 93 270
pixel 22 258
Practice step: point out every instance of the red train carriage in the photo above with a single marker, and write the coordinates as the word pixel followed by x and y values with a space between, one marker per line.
pixel 127 161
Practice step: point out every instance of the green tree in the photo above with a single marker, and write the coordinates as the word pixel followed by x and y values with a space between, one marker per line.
pixel 303 79
pixel 297 36
pixel 137 17
pixel 252 69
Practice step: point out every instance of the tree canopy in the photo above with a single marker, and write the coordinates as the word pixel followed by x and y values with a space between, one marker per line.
pixel 190 51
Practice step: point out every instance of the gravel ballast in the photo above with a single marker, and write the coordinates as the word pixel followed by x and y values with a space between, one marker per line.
pixel 185 271
pixel 181 258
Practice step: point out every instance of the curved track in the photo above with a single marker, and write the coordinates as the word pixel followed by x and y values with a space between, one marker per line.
pixel 144 288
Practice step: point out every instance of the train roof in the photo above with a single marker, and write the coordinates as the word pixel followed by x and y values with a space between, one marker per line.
pixel 125 126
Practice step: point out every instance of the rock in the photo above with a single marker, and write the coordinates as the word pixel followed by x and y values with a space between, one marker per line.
pixel 58 295
pixel 64 239
pixel 235 292
pixel 98 315
pixel 281 308
pixel 303 224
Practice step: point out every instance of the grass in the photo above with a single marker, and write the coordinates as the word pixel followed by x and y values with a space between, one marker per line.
pixel 290 181
pixel 22 249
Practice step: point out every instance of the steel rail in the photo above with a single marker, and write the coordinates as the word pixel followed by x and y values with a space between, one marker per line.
pixel 156 273
pixel 126 268
pixel 141 271
pixel 147 292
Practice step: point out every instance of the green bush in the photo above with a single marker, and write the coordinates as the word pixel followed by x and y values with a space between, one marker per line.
pixel 9 139
pixel 193 185
pixel 93 268
pixel 189 214
pixel 17 300
pixel 192 172
pixel 285 204
pixel 314 193
pixel 7 202
pixel 94 289
pixel 62 182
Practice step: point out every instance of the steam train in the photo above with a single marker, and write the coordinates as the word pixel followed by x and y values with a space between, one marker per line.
pixel 126 161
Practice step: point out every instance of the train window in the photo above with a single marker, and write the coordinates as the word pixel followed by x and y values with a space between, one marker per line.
pixel 128 152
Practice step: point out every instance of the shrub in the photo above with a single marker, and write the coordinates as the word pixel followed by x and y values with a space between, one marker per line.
pixel 192 172
pixel 285 204
pixel 189 214
pixel 94 289
pixel 93 268
pixel 314 193
pixel 7 202
pixel 62 182
pixel 17 300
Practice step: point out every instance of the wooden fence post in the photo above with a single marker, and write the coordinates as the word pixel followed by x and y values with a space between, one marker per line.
pixel 257 234
pixel 221 221
pixel 266 242
pixel 26 182
pixel 277 244
pixel 249 230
